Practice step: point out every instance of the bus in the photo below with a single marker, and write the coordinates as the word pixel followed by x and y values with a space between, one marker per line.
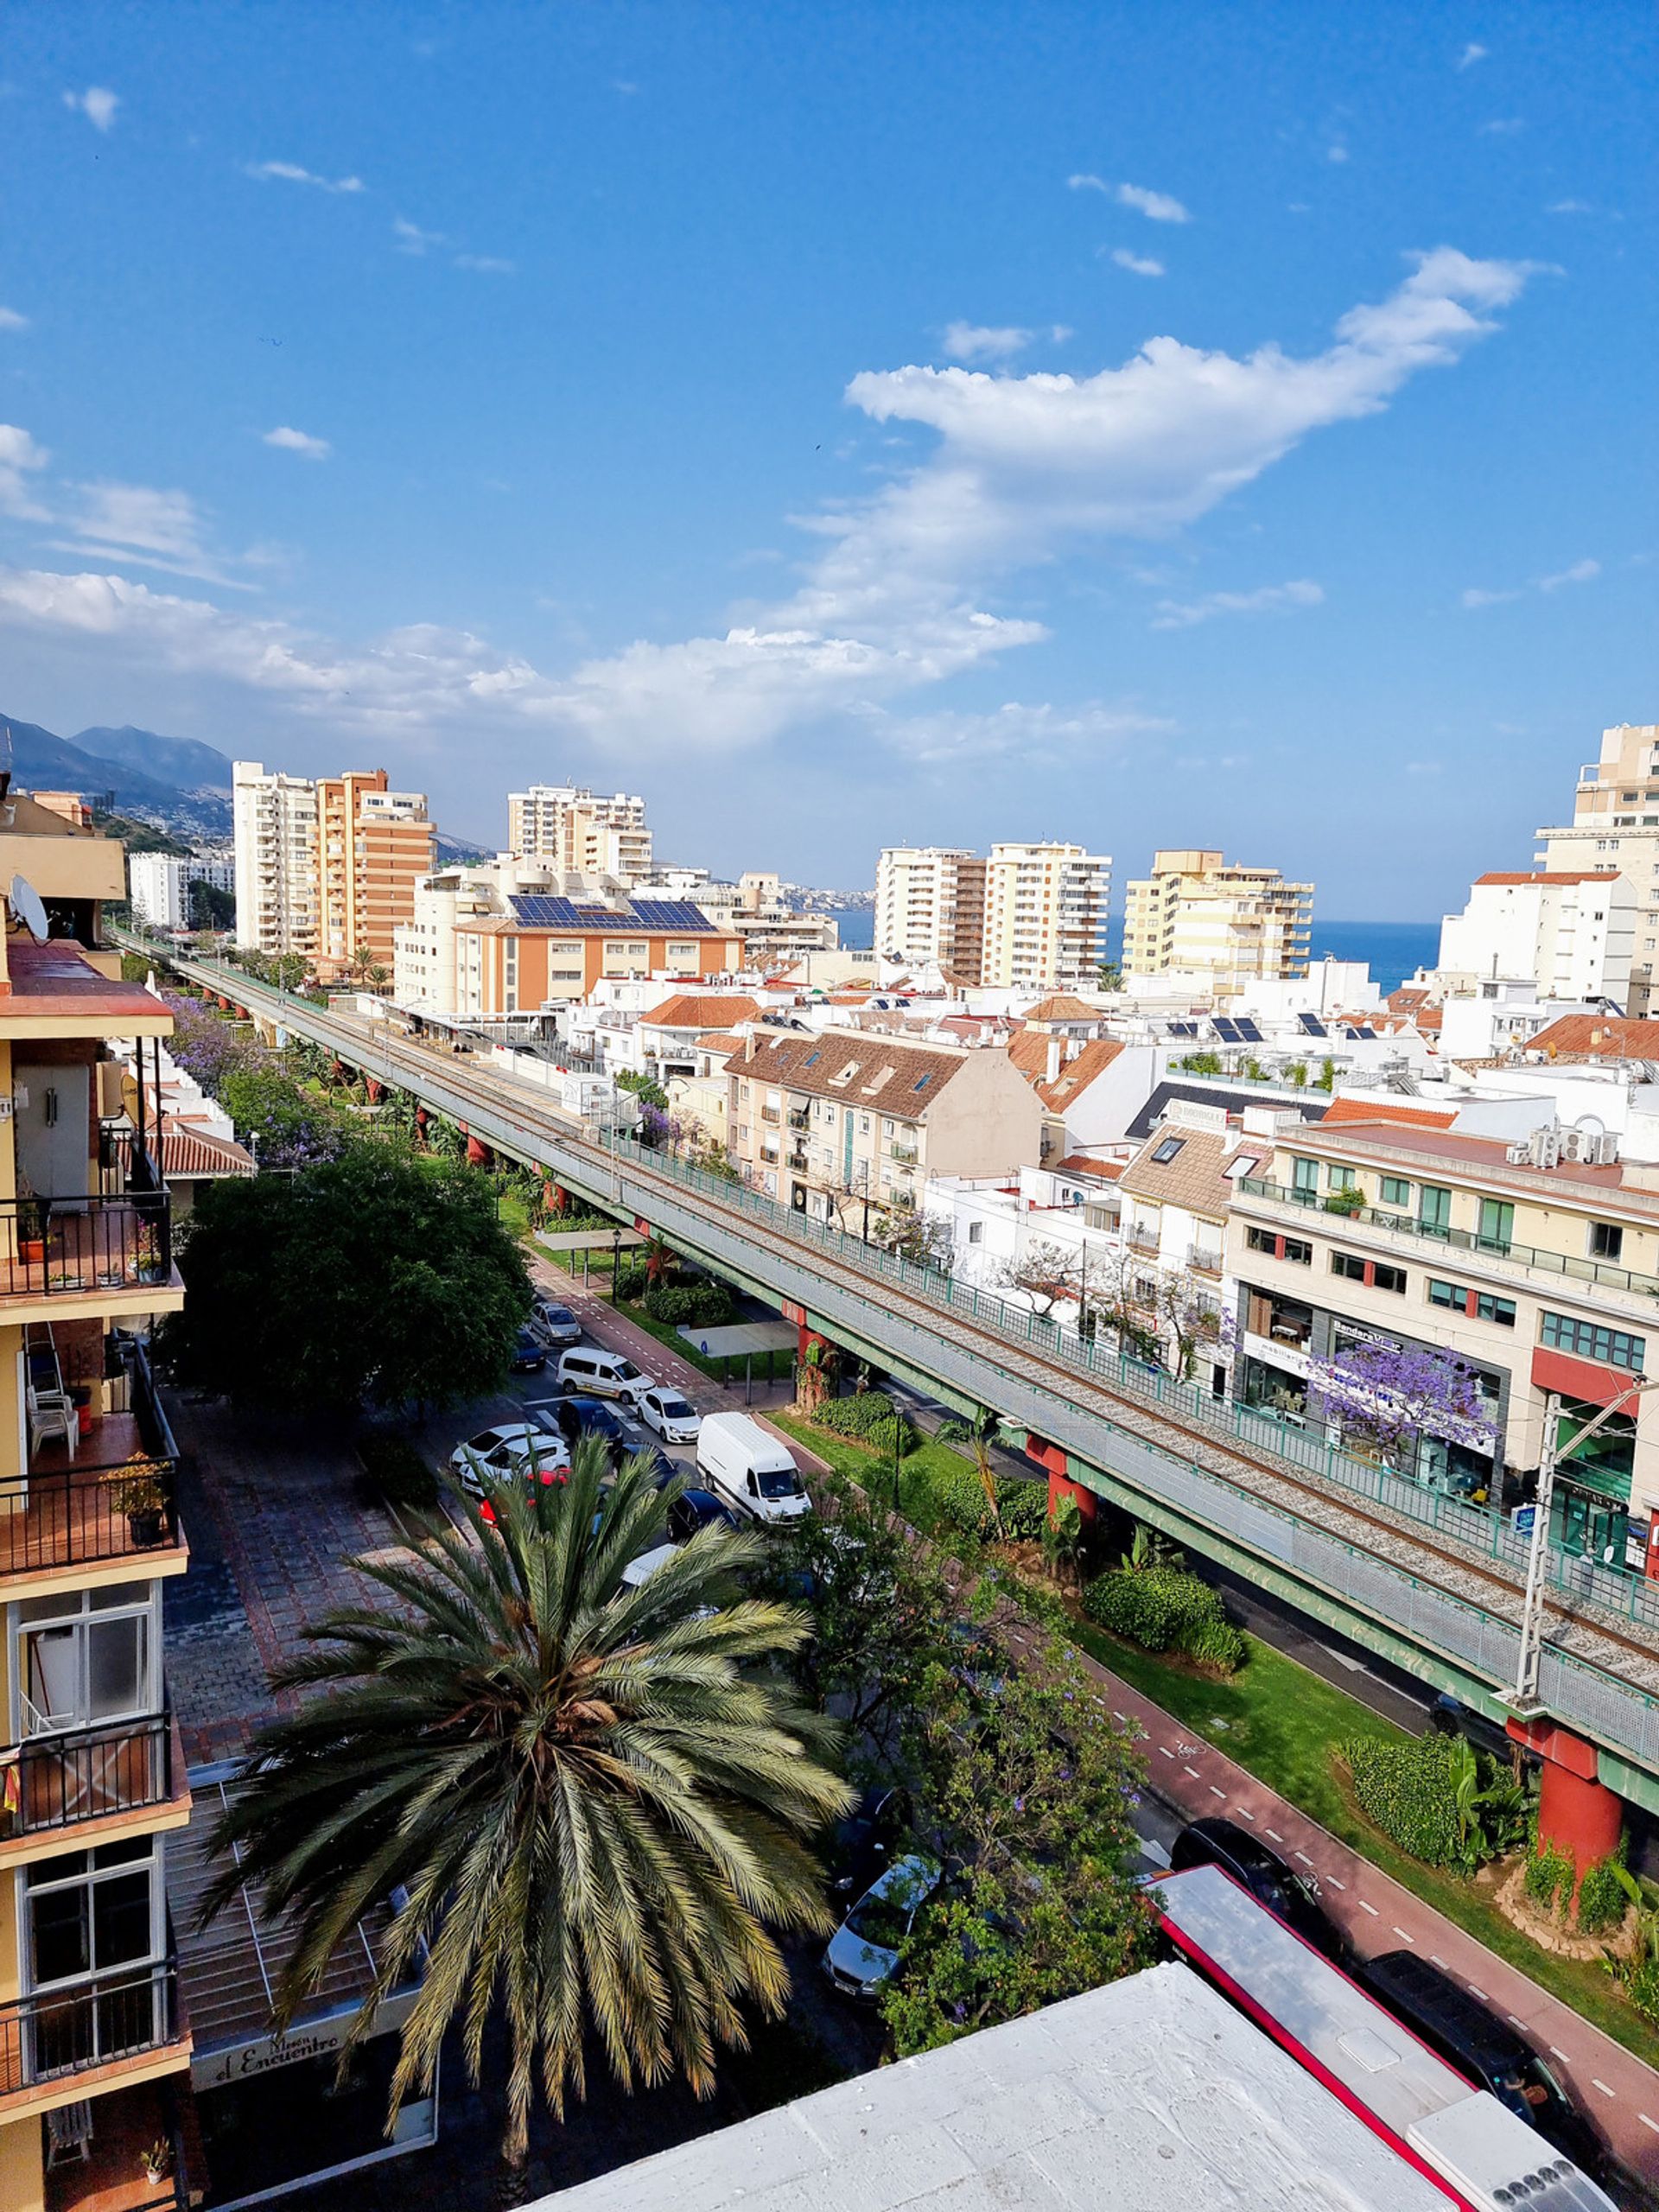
pixel 1481 2155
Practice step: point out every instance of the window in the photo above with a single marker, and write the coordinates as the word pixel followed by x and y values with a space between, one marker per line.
pixel 1244 1163
pixel 921 1083
pixel 1167 1151
pixel 887 1125
pixel 92 1912
pixel 1344 1264
pixel 1372 1273
pixel 1501 1310
pixel 1397 1191
pixel 1497 1227
pixel 1606 1240
pixel 1304 1178
pixel 1342 1179
pixel 1386 1278
pixel 82 1664
pixel 1434 1209
pixel 975 1231
pixel 1294 1249
pixel 1451 1296
pixel 1587 1340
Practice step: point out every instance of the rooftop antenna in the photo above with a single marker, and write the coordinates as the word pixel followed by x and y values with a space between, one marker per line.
pixel 25 902
pixel 7 805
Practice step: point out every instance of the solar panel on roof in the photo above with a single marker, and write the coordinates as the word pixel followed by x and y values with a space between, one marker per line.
pixel 1183 1028
pixel 1367 1034
pixel 1226 1030
pixel 1248 1031
pixel 1311 1026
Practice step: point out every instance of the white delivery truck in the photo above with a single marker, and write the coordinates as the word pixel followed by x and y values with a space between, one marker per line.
pixel 750 1468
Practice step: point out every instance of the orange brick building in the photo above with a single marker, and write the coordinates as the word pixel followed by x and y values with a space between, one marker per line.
pixel 552 951
pixel 374 846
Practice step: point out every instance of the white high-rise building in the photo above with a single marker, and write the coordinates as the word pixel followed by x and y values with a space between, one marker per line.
pixel 1046 907
pixel 929 908
pixel 1570 934
pixel 1616 825
pixel 158 885
pixel 277 883
pixel 565 827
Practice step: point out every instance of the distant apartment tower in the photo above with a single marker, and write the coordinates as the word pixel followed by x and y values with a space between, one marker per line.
pixel 275 822
pixel 1616 825
pixel 1570 935
pixel 158 885
pixel 567 828
pixel 373 847
pixel 929 908
pixel 1195 915
pixel 1046 915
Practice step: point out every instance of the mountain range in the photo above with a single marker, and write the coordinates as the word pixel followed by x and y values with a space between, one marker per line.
pixel 177 783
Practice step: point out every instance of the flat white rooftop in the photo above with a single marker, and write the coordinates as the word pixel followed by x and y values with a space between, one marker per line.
pixel 1152 2094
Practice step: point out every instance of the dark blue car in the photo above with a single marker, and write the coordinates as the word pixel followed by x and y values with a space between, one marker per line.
pixel 697 1509
pixel 579 1417
pixel 529 1355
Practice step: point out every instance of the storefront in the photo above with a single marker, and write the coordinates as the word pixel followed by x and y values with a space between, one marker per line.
pixel 1591 1511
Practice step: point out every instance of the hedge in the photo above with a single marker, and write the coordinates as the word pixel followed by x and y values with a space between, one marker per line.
pixel 1410 1791
pixel 870 1417
pixel 1602 1901
pixel 694 1305
pixel 629 1279
pixel 1165 1609
pixel 403 1477
pixel 1550 1875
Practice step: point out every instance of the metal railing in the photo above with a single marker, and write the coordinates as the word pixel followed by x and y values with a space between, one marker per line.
pixel 53 1247
pixel 68 1515
pixel 59 2032
pixel 1600 1272
pixel 92 1775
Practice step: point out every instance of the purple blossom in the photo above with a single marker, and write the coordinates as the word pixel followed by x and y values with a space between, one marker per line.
pixel 1394 1394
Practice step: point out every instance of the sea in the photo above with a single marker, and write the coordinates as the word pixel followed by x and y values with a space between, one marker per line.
pixel 1392 951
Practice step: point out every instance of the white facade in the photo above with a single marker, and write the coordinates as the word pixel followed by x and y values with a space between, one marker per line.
pixel 424 976
pixel 566 827
pixel 1616 824
pixel 1046 907
pixel 1572 933
pixel 929 908
pixel 158 885
pixel 275 819
pixel 1195 915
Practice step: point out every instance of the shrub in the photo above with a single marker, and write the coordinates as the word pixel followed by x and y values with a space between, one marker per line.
pixel 1164 1609
pixel 869 1418
pixel 1550 1876
pixel 1602 1899
pixel 1024 1508
pixel 959 1499
pixel 693 1305
pixel 630 1279
pixel 1642 1987
pixel 403 1475
pixel 1410 1792
pixel 1218 1643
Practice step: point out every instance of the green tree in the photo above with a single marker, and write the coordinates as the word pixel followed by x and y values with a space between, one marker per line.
pixel 980 1435
pixel 1029 1794
pixel 287 1127
pixel 647 1092
pixel 596 1813
pixel 373 1279
pixel 212 908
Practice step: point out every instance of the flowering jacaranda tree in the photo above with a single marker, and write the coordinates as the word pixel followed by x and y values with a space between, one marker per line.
pixel 1391 1396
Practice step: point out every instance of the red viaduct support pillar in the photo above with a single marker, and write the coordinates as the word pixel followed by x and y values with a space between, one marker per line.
pixel 1052 1460
pixel 1577 1813
pixel 478 1153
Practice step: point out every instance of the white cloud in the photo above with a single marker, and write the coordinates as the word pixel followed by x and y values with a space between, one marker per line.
pixel 1337 153
pixel 412 239
pixel 1141 264
pixel 1038 733
pixel 299 441
pixel 485 265
pixel 1569 207
pixel 20 457
pixel 1503 126
pixel 1581 572
pixel 1471 54
pixel 1160 206
pixel 975 341
pixel 142 526
pixel 1085 184
pixel 97 103
pixel 10 319
pixel 1475 597
pixel 291 172
pixel 1269 598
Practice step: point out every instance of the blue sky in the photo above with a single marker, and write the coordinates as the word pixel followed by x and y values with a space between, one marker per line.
pixel 1148 425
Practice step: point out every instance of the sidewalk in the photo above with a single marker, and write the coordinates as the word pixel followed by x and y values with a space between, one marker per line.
pixel 1614 2088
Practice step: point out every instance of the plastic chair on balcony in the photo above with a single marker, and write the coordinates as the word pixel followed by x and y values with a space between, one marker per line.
pixel 69 2133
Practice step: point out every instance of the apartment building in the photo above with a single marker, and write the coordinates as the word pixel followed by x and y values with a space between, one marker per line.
pixel 1046 914
pixel 273 821
pixel 91 2038
pixel 1537 1268
pixel 1572 933
pixel 566 827
pixel 158 885
pixel 1616 824
pixel 1231 926
pixel 547 952
pixel 842 1125
pixel 929 908
pixel 374 846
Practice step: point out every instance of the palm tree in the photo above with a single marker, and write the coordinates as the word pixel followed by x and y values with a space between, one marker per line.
pixel 980 1435
pixel 596 1813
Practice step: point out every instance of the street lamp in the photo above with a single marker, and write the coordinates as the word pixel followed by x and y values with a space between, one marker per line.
pixel 1524 1695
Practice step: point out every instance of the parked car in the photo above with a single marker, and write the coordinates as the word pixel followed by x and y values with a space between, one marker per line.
pixel 579 1417
pixel 529 1354
pixel 863 1845
pixel 751 1469
pixel 864 1950
pixel 697 1508
pixel 1293 1897
pixel 556 1325
pixel 1482 2046
pixel 518 1444
pixel 663 1469
pixel 601 1374
pixel 664 1409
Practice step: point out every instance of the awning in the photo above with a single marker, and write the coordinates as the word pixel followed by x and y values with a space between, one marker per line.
pixel 742 1339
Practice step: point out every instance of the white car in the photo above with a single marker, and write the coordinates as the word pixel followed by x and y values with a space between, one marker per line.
pixel 864 1950
pixel 674 1418
pixel 514 1447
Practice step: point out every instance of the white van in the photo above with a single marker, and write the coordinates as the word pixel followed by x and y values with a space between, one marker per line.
pixel 750 1468
pixel 593 1372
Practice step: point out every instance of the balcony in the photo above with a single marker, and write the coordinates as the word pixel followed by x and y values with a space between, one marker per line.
pixel 798 1163
pixel 60 2035
pixel 58 1248
pixel 1205 1263
pixel 94 1774
pixel 798 1117
pixel 1143 1241
pixel 903 1155
pixel 67 1513
pixel 769 1114
pixel 127 2124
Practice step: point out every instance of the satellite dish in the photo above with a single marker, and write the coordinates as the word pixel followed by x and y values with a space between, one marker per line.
pixel 26 905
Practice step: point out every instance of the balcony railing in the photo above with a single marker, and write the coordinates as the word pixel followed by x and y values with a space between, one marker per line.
pixel 92 1775
pixel 903 1155
pixel 57 1246
pixel 1459 1240
pixel 1144 1241
pixel 798 1162
pixel 63 2031
pixel 1205 1263
pixel 798 1116
pixel 67 1514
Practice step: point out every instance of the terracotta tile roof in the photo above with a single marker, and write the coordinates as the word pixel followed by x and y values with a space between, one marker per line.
pixel 721 1042
pixel 1063 1005
pixel 1563 875
pixel 862 1070
pixel 1611 1035
pixel 1191 1178
pixel 1384 1109
pixel 1408 999
pixel 1029 1053
pixel 701 1010
pixel 189 1152
pixel 1081 1163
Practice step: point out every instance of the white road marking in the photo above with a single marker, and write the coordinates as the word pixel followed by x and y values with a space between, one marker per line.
pixel 1603 2086
pixel 1193 1771
pixel 1305 1860
pixel 1335 1884
pixel 1165 1751
pixel 1274 1833
pixel 1479 1992
pixel 1151 1848
pixel 1404 1936
pixel 1371 1908
pixel 1245 1814
pixel 1561 2054
pixel 1214 1792
pixel 1116 1715
pixel 1436 1959
pixel 1646 2122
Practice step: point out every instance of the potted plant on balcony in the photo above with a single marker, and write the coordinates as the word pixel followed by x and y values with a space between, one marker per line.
pixel 139 1492
pixel 156 2161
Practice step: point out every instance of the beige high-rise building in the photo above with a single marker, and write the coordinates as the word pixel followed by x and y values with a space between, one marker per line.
pixel 275 821
pixel 1616 825
pixel 1046 914
pixel 373 847
pixel 929 908
pixel 1195 915
pixel 565 827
